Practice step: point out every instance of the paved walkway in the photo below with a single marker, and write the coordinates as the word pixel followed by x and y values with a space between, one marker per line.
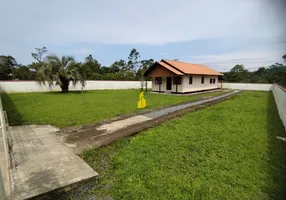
pixel 99 135
pixel 41 164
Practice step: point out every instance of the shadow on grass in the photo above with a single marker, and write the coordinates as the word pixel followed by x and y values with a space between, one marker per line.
pixel 276 152
pixel 63 93
pixel 14 117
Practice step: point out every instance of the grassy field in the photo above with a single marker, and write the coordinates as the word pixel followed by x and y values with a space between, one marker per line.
pixel 226 151
pixel 63 110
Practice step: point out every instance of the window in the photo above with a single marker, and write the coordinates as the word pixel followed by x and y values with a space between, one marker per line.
pixel 211 80
pixel 158 80
pixel 214 81
pixel 203 80
pixel 177 80
pixel 190 80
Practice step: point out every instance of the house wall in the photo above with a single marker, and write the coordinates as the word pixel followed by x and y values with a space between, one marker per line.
pixel 160 72
pixel 186 87
pixel 155 87
pixel 197 85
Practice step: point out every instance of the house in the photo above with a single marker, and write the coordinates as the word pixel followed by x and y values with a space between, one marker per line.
pixel 181 77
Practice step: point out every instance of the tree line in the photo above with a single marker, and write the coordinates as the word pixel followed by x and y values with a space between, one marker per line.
pixel 63 70
pixel 130 69
pixel 275 73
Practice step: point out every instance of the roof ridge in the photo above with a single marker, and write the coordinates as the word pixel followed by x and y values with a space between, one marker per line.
pixel 185 62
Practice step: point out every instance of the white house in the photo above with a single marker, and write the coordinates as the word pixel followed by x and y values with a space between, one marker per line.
pixel 181 77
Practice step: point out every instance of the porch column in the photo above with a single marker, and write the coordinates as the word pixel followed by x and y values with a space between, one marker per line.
pixel 145 84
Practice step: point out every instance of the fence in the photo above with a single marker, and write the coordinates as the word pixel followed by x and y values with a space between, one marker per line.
pixel 248 86
pixel 33 86
pixel 5 162
pixel 280 99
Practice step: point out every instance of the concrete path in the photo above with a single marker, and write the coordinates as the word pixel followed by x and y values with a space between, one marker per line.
pixel 41 164
pixel 99 135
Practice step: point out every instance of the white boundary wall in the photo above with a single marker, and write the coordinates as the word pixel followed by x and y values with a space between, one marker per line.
pixel 280 99
pixel 248 86
pixel 33 86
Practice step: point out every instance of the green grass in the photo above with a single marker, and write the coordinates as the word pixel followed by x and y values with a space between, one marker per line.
pixel 226 151
pixel 63 110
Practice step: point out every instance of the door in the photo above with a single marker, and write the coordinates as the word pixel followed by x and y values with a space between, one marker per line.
pixel 169 83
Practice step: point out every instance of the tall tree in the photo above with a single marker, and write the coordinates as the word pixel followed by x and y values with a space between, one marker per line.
pixel 133 60
pixel 38 55
pixel 237 73
pixel 92 67
pixel 62 71
pixel 144 64
pixel 7 67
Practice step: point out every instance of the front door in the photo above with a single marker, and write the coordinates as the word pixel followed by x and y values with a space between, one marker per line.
pixel 169 83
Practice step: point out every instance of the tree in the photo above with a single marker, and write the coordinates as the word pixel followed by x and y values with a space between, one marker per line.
pixel 38 55
pixel 133 60
pixel 24 73
pixel 92 67
pixel 62 71
pixel 144 64
pixel 276 73
pixel 237 74
pixel 118 66
pixel 7 66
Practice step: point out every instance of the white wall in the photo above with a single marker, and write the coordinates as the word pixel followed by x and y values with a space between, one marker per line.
pixel 248 86
pixel 197 85
pixel 33 86
pixel 280 99
pixel 185 86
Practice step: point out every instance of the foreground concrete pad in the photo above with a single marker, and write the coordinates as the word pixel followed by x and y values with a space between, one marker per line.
pixel 42 164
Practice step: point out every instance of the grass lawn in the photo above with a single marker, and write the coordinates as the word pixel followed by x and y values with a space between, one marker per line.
pixel 63 110
pixel 226 151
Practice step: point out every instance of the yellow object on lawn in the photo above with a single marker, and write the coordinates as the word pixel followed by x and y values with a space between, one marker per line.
pixel 142 102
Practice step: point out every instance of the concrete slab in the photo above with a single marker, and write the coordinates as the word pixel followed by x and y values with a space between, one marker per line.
pixel 42 164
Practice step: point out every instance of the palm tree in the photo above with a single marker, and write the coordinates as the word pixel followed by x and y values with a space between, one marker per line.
pixel 61 71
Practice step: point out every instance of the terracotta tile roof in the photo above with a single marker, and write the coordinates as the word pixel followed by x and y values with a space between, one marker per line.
pixel 189 68
pixel 175 71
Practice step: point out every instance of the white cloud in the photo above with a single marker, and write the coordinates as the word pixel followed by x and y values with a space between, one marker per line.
pixel 81 51
pixel 148 22
pixel 137 22
pixel 252 60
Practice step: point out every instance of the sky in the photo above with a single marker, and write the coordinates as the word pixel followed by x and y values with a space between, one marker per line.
pixel 217 33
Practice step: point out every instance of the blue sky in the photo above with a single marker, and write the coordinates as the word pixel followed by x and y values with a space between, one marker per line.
pixel 218 33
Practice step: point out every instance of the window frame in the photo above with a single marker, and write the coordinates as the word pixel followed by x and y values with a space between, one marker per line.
pixel 190 80
pixel 158 80
pixel 214 81
pixel 211 81
pixel 202 80
pixel 177 80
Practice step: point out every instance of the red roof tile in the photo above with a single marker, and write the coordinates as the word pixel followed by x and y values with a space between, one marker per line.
pixel 175 71
pixel 189 68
